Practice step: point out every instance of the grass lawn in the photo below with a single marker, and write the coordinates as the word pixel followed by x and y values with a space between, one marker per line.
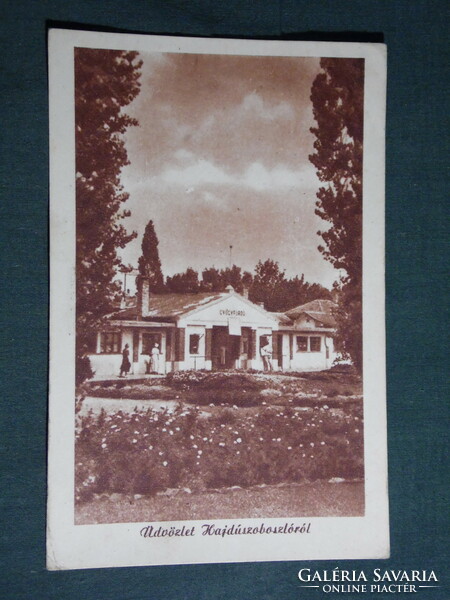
pixel 317 499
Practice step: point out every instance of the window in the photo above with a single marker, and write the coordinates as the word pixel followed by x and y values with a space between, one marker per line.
pixel 302 343
pixel 111 342
pixel 314 344
pixel 194 343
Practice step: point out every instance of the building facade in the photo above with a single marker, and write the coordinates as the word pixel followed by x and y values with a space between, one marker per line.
pixel 305 337
pixel 212 331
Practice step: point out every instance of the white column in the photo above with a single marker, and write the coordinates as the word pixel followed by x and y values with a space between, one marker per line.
pixel 99 342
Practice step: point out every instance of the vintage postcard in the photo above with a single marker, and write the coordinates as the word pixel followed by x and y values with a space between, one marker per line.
pixel 217 360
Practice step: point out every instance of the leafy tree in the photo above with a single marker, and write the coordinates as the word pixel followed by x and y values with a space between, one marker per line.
pixel 233 276
pixel 267 284
pixel 296 291
pixel 186 282
pixel 315 291
pixel 247 279
pixel 216 281
pixel 105 82
pixel 277 293
pixel 269 274
pixel 337 96
pixel 149 265
pixel 212 280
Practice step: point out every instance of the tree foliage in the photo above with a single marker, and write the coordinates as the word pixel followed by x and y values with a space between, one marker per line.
pixel 105 82
pixel 212 280
pixel 272 288
pixel 268 285
pixel 337 96
pixel 217 280
pixel 186 282
pixel 149 265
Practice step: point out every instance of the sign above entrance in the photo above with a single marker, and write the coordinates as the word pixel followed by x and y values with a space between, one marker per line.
pixel 234 326
pixel 227 312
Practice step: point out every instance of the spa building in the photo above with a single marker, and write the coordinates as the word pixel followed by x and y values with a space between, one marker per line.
pixel 214 331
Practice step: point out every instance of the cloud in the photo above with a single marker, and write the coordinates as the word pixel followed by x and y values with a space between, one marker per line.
pixel 200 172
pixel 183 155
pixel 230 110
pixel 259 178
pixel 253 103
pixel 211 198
pixel 203 172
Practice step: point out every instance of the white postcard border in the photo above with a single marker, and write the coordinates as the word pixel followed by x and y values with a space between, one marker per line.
pixel 89 546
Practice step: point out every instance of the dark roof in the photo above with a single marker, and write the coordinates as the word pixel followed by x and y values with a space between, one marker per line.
pixel 319 310
pixel 282 319
pixel 168 306
pixel 126 314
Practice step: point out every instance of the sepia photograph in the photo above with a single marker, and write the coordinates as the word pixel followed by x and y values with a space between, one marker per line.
pixel 224 283
pixel 215 331
pixel 218 334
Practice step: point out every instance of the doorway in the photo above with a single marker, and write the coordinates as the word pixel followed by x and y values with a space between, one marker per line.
pixel 225 348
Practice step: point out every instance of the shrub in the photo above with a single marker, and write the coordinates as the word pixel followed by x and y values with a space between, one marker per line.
pixel 146 452
pixel 83 369
pixel 207 380
pixel 225 416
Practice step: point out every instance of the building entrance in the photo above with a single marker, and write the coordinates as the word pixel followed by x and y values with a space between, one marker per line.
pixel 225 348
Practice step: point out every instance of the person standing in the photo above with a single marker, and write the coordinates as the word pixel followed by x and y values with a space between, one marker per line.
pixel 266 354
pixel 126 365
pixel 155 359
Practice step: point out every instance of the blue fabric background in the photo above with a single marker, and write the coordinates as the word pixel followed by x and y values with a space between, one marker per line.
pixel 417 273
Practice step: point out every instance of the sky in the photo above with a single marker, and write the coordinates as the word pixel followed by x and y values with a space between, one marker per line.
pixel 220 159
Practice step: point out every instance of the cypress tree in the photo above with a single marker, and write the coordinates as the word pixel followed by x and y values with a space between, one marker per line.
pixel 149 264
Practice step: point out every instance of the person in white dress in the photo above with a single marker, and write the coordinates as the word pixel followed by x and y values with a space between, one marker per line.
pixel 155 359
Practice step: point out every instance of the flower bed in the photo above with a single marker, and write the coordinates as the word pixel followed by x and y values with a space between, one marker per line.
pixel 234 388
pixel 146 452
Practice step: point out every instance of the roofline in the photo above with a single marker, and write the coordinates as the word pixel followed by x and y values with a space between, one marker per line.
pixel 223 295
pixel 302 306
pixel 291 328
pixel 130 323
pixel 194 310
pixel 304 312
